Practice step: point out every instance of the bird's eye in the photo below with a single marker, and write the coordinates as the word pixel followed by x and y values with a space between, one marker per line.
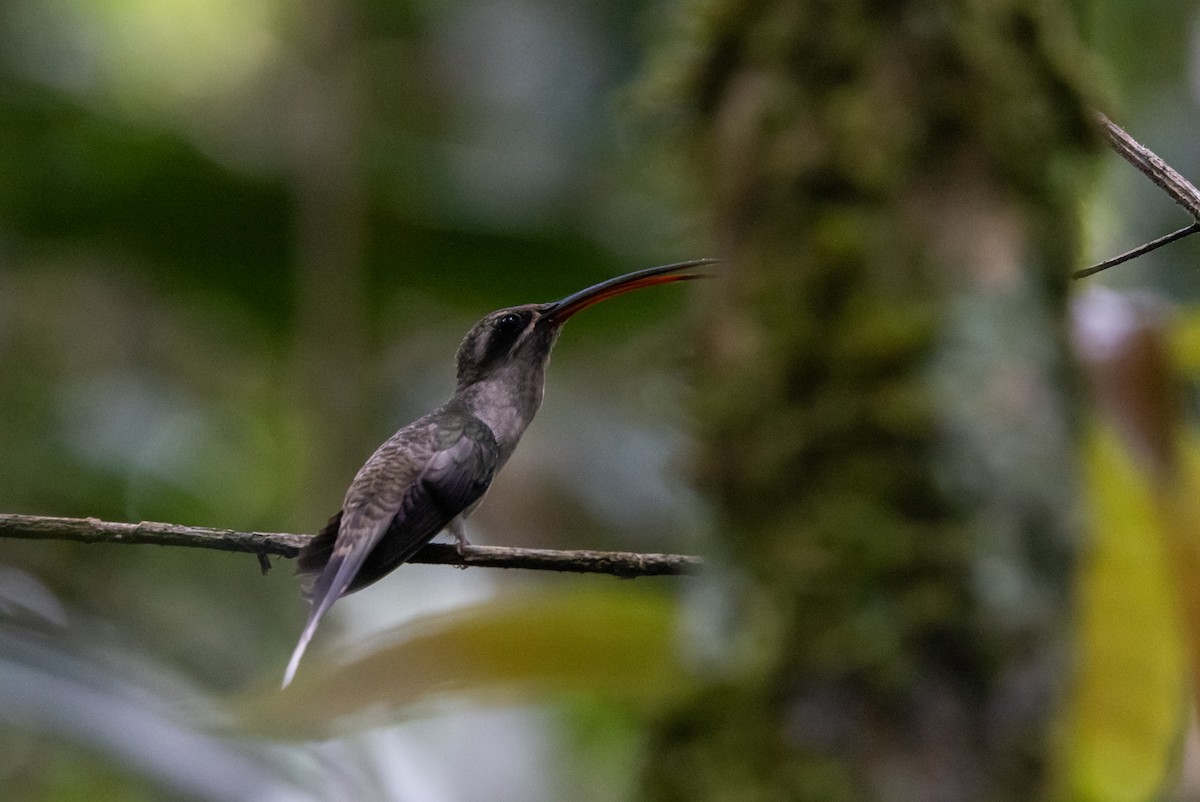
pixel 505 331
pixel 510 323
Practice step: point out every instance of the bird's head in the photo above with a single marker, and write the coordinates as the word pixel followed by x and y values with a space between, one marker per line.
pixel 521 337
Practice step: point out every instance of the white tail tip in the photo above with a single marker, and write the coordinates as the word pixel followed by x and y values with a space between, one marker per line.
pixel 294 663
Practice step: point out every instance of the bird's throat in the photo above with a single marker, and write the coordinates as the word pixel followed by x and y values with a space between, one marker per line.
pixel 506 404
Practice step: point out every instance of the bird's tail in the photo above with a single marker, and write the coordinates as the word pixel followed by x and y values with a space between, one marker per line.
pixel 327 588
pixel 316 552
pixel 305 637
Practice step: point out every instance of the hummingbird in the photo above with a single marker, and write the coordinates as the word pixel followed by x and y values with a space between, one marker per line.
pixel 432 473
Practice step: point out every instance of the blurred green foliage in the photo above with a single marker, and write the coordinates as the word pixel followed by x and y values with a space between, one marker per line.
pixel 239 243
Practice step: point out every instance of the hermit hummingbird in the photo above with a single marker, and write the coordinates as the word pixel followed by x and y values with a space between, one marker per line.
pixel 432 473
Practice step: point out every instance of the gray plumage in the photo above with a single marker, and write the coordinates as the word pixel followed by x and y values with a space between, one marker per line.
pixel 432 473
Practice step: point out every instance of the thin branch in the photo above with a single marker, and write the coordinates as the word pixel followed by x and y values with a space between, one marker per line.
pixel 625 564
pixel 92 530
pixel 1140 250
pixel 1153 167
pixel 1163 175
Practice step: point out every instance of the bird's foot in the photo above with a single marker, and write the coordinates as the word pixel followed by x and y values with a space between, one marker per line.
pixel 460 537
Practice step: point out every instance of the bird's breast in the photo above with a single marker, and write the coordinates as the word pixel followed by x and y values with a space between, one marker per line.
pixel 507 423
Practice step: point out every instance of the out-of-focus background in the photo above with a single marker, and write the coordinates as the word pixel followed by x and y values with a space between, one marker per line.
pixel 239 244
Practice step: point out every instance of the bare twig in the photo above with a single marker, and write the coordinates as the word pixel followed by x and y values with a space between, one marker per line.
pixel 1153 167
pixel 92 530
pixel 1140 250
pixel 1162 174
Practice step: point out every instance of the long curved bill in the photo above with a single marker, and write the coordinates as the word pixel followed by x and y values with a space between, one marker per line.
pixel 558 311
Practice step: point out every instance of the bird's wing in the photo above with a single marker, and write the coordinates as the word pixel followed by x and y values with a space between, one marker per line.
pixel 395 506
pixel 457 474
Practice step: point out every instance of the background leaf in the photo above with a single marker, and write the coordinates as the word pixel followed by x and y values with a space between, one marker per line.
pixel 1127 712
pixel 620 644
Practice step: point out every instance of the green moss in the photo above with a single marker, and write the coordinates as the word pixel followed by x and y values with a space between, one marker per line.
pixel 868 165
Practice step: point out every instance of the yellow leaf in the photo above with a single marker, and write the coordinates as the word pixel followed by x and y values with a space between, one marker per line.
pixel 1181 539
pixel 1126 714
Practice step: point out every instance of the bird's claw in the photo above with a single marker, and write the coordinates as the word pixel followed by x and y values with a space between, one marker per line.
pixel 461 544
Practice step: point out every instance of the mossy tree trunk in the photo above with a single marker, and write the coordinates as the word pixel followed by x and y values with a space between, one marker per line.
pixel 885 411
